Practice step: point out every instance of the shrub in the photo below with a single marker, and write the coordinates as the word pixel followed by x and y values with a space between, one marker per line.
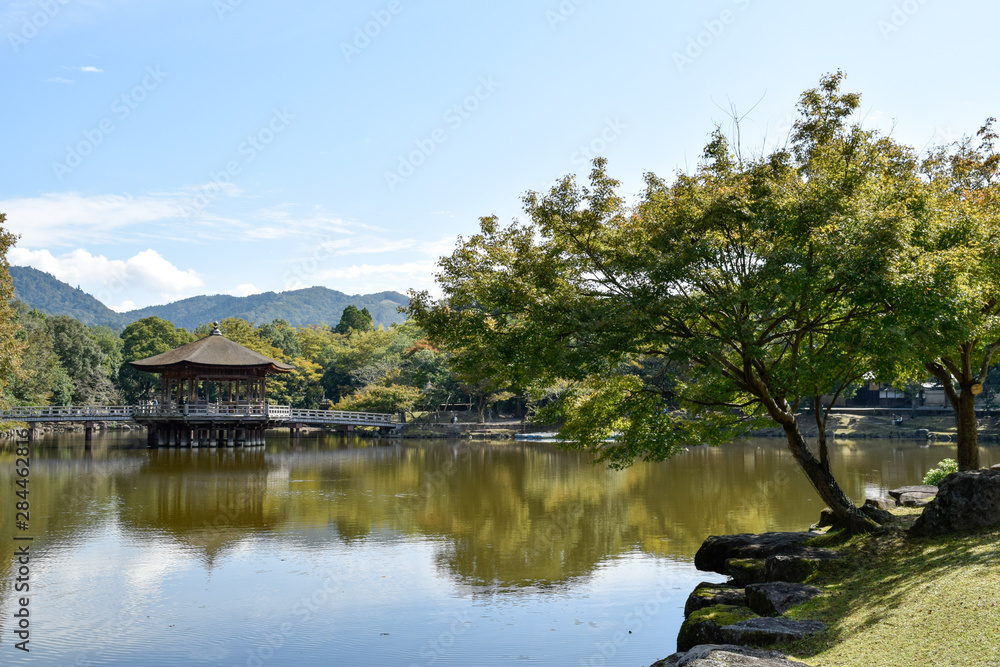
pixel 945 468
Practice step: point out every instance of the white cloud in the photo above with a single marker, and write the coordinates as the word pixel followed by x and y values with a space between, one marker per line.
pixel 71 218
pixel 123 307
pixel 361 270
pixel 90 68
pixel 58 79
pixel 246 289
pixel 108 278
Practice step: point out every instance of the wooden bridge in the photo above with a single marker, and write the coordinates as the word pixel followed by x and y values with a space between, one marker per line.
pixel 191 416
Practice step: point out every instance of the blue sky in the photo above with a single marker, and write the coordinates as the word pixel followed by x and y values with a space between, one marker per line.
pixel 156 150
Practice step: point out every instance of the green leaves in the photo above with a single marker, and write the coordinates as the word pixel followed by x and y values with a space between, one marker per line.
pixel 759 283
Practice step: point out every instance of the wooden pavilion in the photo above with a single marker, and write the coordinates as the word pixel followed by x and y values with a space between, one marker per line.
pixel 213 392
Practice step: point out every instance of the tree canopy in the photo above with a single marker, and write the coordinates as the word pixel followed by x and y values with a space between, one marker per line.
pixel 11 345
pixel 736 294
pixel 354 320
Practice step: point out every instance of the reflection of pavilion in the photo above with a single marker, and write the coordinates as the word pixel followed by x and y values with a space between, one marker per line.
pixel 208 500
pixel 214 392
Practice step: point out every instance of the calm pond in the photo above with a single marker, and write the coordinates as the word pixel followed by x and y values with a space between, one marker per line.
pixel 329 551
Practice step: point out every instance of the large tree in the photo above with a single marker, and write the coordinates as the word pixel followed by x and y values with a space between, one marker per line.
pixel 953 305
pixel 82 358
pixel 141 339
pixel 756 285
pixel 11 346
pixel 353 319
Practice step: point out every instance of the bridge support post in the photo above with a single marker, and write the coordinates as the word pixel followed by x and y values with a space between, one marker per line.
pixel 31 432
pixel 212 431
pixel 88 432
pixel 196 438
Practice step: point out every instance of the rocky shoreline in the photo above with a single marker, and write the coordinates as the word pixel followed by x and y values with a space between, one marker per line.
pixel 738 622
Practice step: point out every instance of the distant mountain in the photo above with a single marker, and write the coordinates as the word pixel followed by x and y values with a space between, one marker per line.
pixel 50 295
pixel 313 305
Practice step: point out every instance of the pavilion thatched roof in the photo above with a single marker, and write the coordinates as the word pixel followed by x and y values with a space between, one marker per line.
pixel 215 351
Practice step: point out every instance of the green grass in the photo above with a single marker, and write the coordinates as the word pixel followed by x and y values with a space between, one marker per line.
pixel 899 601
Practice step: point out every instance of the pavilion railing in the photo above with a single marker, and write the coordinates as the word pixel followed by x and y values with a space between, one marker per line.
pixel 224 410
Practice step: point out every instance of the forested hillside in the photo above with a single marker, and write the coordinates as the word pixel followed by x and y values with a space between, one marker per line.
pixel 304 307
pixel 50 295
pixel 313 305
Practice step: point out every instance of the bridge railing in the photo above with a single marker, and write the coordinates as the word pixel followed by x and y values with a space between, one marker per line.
pixel 196 410
pixel 69 413
pixel 341 416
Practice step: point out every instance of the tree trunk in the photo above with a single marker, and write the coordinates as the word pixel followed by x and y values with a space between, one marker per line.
pixel 968 436
pixel 963 403
pixel 824 482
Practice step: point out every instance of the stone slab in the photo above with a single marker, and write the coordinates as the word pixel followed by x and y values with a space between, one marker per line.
pixel 726 655
pixel 768 631
pixel 775 598
pixel 916 488
pixel 717 549
pixel 707 594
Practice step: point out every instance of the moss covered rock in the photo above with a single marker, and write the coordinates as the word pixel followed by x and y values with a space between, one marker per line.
pixel 704 626
pixel 746 570
pixel 707 594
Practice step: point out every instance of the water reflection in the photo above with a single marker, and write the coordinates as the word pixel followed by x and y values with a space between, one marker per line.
pixel 511 515
pixel 536 524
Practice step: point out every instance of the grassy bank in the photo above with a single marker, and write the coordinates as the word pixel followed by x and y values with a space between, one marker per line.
pixel 898 601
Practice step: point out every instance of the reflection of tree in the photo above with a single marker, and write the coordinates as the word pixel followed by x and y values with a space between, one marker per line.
pixel 503 515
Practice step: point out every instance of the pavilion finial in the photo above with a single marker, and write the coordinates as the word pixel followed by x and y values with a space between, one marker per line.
pixel 215 329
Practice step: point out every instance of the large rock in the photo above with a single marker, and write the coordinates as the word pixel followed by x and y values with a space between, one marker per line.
pixel 746 570
pixel 726 655
pixel 717 549
pixel 877 509
pixel 705 625
pixel 707 594
pixel 965 501
pixel 917 488
pixel 797 565
pixel 916 499
pixel 768 631
pixel 775 598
